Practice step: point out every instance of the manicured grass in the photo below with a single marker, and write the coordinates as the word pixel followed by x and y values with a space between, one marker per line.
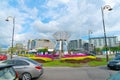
pixel 98 63
pixel 57 63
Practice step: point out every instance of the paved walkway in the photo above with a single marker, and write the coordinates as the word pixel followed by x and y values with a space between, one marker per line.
pixel 104 56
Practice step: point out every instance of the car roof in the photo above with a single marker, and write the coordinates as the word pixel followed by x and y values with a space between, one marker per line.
pixel 25 59
pixel 20 58
pixel 3 65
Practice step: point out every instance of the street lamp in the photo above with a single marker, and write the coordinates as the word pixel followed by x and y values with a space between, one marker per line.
pixel 108 8
pixel 13 18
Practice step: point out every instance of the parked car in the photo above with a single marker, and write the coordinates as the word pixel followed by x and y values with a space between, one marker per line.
pixel 7 72
pixel 3 57
pixel 92 53
pixel 26 67
pixel 114 64
pixel 115 76
pixel 14 55
pixel 117 55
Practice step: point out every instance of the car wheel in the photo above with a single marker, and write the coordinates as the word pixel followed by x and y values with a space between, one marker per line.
pixel 26 76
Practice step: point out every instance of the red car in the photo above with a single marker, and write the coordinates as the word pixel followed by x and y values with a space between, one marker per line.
pixel 3 57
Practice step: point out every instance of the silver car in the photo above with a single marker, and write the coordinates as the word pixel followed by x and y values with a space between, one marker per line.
pixel 27 68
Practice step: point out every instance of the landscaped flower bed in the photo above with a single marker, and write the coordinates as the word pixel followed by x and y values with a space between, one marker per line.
pixel 75 55
pixel 78 58
pixel 41 59
pixel 45 56
pixel 82 59
pixel 74 58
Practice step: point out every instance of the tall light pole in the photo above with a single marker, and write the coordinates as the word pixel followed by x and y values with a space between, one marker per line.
pixel 13 18
pixel 106 7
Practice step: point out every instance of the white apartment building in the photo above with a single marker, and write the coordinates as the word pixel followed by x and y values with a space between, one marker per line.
pixel 99 42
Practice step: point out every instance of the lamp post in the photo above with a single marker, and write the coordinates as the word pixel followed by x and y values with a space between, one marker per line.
pixel 13 18
pixel 106 7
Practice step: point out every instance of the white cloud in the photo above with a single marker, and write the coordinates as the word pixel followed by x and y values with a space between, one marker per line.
pixel 74 16
pixel 112 3
pixel 47 27
pixel 65 1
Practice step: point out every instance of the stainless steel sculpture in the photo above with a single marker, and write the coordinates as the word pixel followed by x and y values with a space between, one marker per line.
pixel 61 42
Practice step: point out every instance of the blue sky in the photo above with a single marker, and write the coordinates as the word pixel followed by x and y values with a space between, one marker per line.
pixel 37 19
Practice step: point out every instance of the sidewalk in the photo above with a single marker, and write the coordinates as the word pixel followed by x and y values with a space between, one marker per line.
pixel 104 56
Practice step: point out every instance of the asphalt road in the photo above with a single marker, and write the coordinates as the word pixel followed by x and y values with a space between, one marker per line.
pixel 81 73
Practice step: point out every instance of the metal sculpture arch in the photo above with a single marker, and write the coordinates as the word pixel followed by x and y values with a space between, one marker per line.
pixel 61 38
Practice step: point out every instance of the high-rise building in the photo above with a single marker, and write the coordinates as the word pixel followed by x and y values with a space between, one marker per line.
pixel 77 44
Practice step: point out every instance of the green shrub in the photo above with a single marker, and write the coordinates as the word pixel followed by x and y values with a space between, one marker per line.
pixel 27 55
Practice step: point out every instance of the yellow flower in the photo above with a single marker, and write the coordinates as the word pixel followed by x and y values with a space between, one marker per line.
pixel 78 58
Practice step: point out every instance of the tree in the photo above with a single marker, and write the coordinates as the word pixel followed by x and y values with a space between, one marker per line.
pixel 115 49
pixel 43 50
pixel 97 49
pixel 14 49
pixel 105 48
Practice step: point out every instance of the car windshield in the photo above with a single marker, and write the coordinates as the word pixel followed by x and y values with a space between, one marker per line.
pixel 7 74
pixel 117 58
